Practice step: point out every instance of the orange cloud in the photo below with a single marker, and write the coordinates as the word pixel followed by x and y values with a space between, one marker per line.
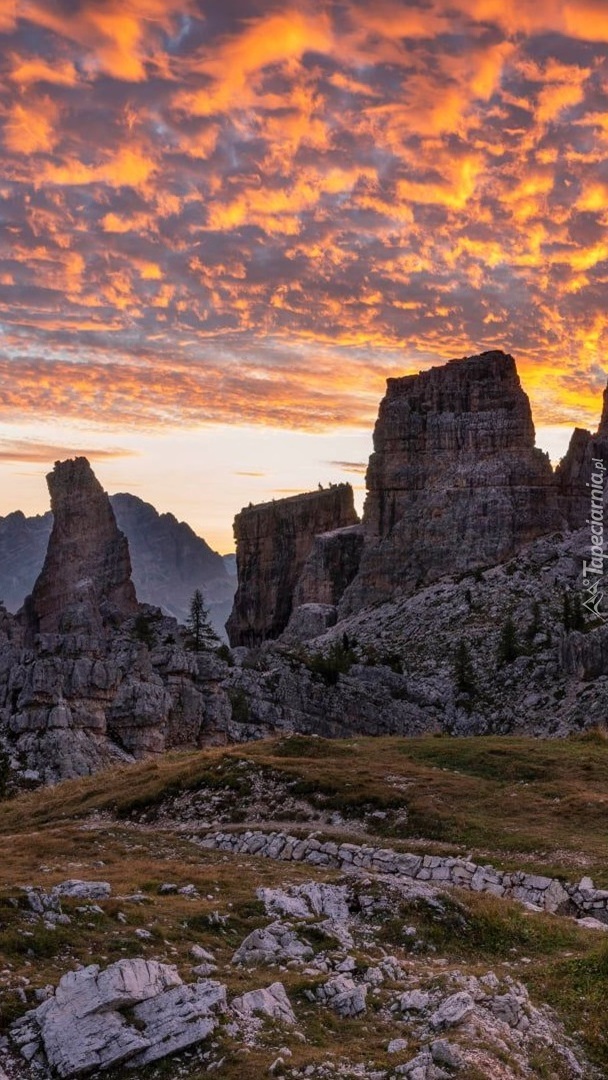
pixel 334 191
pixel 119 36
pixel 26 71
pixel 459 182
pixel 8 16
pixel 32 128
pixel 43 453
pixel 274 39
pixel 130 166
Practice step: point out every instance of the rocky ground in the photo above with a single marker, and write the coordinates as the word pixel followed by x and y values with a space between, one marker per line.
pixel 153 925
pixel 395 667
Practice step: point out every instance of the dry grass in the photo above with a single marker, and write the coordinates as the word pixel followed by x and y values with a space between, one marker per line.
pixel 521 802
pixel 516 801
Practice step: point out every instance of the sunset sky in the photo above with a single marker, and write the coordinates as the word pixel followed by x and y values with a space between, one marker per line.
pixel 225 223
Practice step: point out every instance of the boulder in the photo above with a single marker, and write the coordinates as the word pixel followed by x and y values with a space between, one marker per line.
pixel 272 1002
pixel 274 944
pixel 134 1011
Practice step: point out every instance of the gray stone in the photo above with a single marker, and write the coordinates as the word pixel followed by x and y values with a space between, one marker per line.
pixel 84 890
pixel 178 1018
pixel 276 943
pixel 453 1011
pixel 271 1001
pixel 446 1053
pixel 414 1001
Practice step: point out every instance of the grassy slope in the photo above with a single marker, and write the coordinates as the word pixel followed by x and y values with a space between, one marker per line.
pixel 521 802
pixel 513 802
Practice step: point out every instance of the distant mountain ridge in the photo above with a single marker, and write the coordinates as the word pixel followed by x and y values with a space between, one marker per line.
pixel 169 560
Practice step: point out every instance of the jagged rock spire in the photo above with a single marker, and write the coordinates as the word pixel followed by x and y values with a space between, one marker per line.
pixel 85 583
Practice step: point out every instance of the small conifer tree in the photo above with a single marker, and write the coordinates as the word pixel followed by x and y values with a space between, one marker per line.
pixel 463 668
pixel 508 648
pixel 201 634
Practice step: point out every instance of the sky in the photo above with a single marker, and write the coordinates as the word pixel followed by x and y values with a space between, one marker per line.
pixel 224 224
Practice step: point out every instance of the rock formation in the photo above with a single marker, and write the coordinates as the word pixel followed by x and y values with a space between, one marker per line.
pixel 455 481
pixel 331 566
pixel 85 583
pixel 169 561
pixel 573 474
pixel 102 679
pixel 274 541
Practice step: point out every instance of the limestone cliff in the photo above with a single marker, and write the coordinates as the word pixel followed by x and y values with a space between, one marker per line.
pixel 330 567
pixel 455 481
pixel 85 583
pixel 88 676
pixel 273 542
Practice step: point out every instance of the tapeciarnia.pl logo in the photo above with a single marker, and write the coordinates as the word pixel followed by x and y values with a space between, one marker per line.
pixel 593 571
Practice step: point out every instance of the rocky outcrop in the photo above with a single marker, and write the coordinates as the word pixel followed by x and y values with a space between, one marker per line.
pixel 331 566
pixel 169 561
pixel 73 704
pixel 574 472
pixel 455 481
pixel 85 583
pixel 133 1011
pixel 274 541
pixel 87 676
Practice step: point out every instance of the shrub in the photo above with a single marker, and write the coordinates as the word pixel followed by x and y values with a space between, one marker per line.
pixel 143 629
pixel 240 704
pixel 337 661
pixel 225 654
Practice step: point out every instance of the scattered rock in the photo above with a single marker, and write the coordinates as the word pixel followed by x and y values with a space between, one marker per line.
pixel 272 1001
pixel 83 890
pixel 453 1011
pixel 276 943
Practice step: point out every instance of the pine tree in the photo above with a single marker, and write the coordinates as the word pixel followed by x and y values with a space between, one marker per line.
pixel 201 634
pixel 463 668
pixel 508 648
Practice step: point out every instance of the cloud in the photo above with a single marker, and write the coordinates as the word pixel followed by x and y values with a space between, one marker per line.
pixel 118 37
pixel 255 213
pixel 31 128
pixel 350 466
pixel 43 453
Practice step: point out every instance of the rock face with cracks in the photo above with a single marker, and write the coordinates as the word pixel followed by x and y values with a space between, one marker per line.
pixel 273 542
pixel 85 584
pixel 455 481
pixel 89 677
pixel 134 1011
